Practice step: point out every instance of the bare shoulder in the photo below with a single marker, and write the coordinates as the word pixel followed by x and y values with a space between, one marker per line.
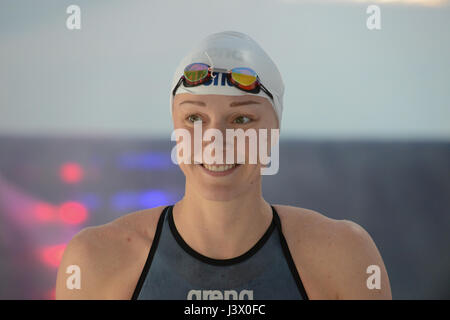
pixel 110 257
pixel 332 256
pixel 315 227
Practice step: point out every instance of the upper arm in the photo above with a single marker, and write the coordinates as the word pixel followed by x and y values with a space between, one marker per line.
pixel 108 259
pixel 354 253
pixel 79 264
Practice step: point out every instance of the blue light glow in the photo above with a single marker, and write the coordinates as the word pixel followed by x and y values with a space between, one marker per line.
pixel 147 161
pixel 125 201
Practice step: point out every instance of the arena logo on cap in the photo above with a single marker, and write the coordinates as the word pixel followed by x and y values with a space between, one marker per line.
pixel 224 80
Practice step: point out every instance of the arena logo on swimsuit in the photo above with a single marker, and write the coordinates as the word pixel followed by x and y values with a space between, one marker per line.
pixel 219 295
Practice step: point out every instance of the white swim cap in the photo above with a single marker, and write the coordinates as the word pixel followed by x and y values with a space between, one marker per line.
pixel 227 50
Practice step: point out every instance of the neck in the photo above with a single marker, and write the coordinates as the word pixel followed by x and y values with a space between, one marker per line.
pixel 222 229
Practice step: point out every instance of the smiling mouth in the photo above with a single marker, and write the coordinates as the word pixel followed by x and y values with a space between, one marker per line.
pixel 219 168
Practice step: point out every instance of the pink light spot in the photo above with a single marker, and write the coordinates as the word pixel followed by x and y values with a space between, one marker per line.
pixel 71 172
pixel 44 211
pixel 52 255
pixel 72 212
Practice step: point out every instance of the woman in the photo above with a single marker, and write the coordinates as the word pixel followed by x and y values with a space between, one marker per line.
pixel 222 240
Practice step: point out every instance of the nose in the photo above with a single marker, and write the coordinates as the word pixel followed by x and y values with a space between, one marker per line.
pixel 215 133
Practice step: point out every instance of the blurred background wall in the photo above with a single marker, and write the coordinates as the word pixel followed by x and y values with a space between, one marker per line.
pixel 85 124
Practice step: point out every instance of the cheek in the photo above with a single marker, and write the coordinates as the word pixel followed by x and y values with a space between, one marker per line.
pixel 270 121
pixel 270 128
pixel 187 169
pixel 253 150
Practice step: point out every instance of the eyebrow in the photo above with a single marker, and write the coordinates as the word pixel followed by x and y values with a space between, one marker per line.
pixel 233 104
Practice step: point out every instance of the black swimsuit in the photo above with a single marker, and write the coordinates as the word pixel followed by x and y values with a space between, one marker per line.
pixel 174 271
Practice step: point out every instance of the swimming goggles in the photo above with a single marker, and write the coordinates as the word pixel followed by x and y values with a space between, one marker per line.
pixel 242 78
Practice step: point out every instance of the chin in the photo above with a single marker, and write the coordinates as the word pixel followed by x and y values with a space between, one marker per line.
pixel 223 186
pixel 219 188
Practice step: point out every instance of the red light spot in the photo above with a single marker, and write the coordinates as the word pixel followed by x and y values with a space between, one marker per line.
pixel 44 211
pixel 52 255
pixel 71 172
pixel 72 212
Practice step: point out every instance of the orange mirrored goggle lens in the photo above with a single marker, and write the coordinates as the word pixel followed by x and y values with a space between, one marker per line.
pixel 246 77
pixel 196 72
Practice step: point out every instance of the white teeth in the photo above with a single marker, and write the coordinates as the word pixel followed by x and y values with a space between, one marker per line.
pixel 219 168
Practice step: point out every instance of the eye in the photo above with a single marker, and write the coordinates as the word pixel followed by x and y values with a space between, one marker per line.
pixel 242 120
pixel 193 117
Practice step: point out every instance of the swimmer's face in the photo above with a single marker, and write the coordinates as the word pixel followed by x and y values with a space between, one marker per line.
pixel 223 112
